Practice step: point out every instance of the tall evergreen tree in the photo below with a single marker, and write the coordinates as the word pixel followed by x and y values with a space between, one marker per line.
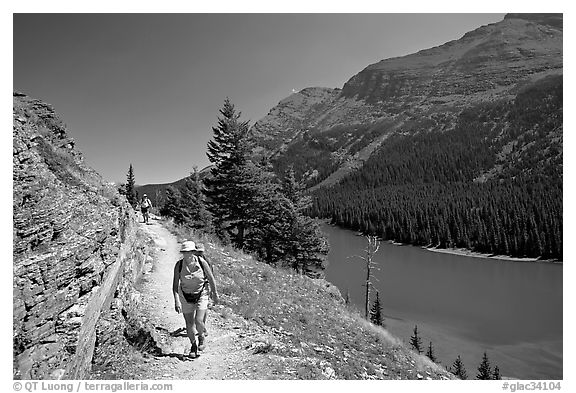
pixel 230 189
pixel 193 203
pixel 252 208
pixel 278 232
pixel 159 198
pixel 131 188
pixel 294 190
pixel 416 341
pixel 172 205
pixel 227 136
pixel 430 353
pixel 269 217
pixel 376 311
pixel 458 368
pixel 307 244
pixel 484 369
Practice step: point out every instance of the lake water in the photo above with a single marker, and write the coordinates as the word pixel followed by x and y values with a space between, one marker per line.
pixel 464 305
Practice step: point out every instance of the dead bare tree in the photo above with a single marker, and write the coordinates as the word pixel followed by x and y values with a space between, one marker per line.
pixel 370 250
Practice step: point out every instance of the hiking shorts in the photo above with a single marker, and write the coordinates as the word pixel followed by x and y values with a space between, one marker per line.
pixel 188 308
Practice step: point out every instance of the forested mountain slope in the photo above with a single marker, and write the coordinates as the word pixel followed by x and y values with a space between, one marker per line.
pixel 492 184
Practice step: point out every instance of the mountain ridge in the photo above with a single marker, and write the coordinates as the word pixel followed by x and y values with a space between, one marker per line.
pixel 475 68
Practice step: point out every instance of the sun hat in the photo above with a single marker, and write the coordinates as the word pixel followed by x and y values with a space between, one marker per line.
pixel 188 246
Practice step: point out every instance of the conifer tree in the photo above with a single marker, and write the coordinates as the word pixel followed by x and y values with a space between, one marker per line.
pixel 294 190
pixel 484 370
pixel 159 198
pixel 496 373
pixel 376 311
pixel 416 341
pixel 430 353
pixel 458 368
pixel 306 243
pixel 230 189
pixel 309 245
pixel 252 208
pixel 131 188
pixel 172 206
pixel 269 217
pixel 227 137
pixel 193 203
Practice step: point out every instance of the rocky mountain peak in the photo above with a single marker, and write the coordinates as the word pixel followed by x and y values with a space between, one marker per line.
pixel 484 63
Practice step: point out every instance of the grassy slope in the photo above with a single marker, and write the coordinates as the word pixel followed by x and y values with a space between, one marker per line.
pixel 311 333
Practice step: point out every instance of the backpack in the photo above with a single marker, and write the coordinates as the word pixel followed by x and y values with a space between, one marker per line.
pixel 193 297
pixel 145 203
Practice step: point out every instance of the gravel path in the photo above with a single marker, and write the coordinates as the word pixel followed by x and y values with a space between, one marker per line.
pixel 223 358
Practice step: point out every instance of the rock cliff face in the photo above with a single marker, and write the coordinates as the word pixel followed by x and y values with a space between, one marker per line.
pixel 76 248
pixel 310 108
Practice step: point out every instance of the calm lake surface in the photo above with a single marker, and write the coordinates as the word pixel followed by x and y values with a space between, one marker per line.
pixel 464 305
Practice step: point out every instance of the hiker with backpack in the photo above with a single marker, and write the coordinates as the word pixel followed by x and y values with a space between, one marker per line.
pixel 145 206
pixel 191 291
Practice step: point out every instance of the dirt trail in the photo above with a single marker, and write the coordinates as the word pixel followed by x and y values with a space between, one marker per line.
pixel 223 357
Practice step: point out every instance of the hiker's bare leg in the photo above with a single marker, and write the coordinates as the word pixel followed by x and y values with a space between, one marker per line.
pixel 190 328
pixel 200 314
pixel 200 321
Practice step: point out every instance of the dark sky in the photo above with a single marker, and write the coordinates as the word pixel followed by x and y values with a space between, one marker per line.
pixel 146 88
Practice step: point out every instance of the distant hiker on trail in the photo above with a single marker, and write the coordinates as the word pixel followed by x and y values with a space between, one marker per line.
pixel 190 287
pixel 145 206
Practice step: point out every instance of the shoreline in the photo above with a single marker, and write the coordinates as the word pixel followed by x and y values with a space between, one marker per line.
pixel 455 251
pixel 467 253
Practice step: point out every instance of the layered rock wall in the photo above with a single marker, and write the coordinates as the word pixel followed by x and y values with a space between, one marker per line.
pixel 75 243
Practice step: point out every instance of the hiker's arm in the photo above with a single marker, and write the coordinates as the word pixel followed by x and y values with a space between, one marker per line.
pixel 175 282
pixel 211 280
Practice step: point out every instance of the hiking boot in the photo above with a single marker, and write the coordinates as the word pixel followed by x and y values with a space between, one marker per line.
pixel 201 344
pixel 193 351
